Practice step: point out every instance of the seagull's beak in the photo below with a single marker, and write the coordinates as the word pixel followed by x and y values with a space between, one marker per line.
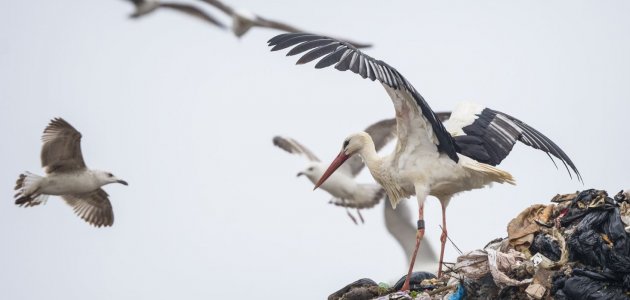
pixel 299 174
pixel 339 160
pixel 122 182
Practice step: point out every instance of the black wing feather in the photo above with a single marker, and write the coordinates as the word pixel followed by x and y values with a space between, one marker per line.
pixel 375 69
pixel 491 137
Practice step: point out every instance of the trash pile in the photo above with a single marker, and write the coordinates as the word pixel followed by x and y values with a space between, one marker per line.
pixel 577 247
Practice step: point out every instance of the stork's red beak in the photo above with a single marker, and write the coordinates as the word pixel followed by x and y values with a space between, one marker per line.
pixel 339 160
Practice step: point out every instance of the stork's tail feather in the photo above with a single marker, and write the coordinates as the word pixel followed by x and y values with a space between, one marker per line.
pixel 495 174
pixel 27 186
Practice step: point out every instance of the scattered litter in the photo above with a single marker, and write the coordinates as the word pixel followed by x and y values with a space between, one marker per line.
pixel 574 248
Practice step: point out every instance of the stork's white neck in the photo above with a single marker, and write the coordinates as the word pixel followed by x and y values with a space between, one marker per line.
pixel 369 156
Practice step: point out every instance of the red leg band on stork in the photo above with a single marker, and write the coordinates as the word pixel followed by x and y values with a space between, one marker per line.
pixel 420 224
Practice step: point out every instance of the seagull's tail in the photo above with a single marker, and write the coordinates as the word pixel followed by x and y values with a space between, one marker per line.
pixel 27 186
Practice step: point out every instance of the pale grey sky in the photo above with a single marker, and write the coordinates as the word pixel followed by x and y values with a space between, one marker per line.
pixel 185 113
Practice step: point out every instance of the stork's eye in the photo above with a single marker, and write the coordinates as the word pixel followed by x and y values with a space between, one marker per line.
pixel 310 169
pixel 345 143
pixel 110 175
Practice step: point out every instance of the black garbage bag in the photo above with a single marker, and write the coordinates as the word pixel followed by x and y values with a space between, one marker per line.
pixel 585 284
pixel 547 246
pixel 415 282
pixel 598 240
pixel 362 289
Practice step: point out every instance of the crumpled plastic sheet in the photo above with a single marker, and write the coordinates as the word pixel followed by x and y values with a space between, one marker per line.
pixel 501 263
pixel 473 265
pixel 477 264
pixel 521 229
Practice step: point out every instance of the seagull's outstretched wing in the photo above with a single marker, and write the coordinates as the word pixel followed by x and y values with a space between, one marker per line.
pixel 194 12
pixel 93 207
pixel 416 121
pixel 61 151
pixel 488 136
pixel 292 146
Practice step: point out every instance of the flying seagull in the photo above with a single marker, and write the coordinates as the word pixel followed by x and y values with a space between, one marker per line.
pixel 144 7
pixel 68 177
pixel 345 190
pixel 429 159
pixel 382 133
pixel 243 21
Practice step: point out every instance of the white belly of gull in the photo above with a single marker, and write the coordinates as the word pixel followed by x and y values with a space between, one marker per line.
pixel 69 183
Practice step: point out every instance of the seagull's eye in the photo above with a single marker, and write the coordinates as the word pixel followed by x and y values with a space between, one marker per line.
pixel 110 175
pixel 310 169
pixel 345 143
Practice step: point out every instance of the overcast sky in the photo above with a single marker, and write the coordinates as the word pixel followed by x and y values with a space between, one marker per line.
pixel 185 113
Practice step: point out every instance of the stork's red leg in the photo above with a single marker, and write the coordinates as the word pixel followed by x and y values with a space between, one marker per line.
pixel 419 237
pixel 442 239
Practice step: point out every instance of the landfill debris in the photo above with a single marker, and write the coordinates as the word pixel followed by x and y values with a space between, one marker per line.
pixel 363 288
pixel 419 281
pixel 577 247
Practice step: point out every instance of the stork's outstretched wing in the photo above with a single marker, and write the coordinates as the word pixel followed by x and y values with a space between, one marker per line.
pixel 419 128
pixel 488 136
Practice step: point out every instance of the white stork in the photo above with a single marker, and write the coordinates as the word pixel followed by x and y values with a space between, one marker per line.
pixel 429 159
pixel 68 177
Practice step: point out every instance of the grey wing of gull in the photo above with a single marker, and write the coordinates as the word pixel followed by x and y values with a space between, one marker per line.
pixel 491 137
pixel 194 12
pixel 370 202
pixel 401 226
pixel 220 6
pixel 61 150
pixel 93 207
pixel 382 132
pixel 443 116
pixel 292 146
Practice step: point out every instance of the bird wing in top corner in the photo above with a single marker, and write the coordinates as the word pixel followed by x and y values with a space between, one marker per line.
pixel 292 146
pixel 258 21
pixel 415 118
pixel 488 136
pixel 61 151
pixel 194 11
pixel 93 207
